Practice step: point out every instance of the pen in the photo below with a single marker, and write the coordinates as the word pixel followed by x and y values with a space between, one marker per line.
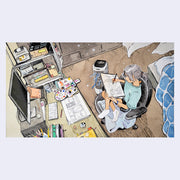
pixel 41 131
pixel 61 114
pixel 48 132
pixel 61 131
pixel 114 78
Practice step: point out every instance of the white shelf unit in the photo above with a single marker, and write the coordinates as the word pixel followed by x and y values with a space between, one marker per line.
pixel 57 59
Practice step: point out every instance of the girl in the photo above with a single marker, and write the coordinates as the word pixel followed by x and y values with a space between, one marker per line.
pixel 132 90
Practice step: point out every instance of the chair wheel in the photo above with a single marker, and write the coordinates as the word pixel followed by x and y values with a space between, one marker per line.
pixel 121 128
pixel 135 126
pixel 103 121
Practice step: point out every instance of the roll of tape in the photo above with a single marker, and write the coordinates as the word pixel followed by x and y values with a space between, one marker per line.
pixel 83 125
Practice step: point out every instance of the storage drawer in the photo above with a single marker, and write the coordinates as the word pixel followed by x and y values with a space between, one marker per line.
pixel 90 51
pixel 71 59
pixel 109 46
pixel 68 48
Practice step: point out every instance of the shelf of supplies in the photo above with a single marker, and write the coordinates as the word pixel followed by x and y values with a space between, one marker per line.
pixel 48 80
pixel 34 59
pixel 33 72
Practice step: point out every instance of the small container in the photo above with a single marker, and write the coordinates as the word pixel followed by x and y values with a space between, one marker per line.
pixel 83 125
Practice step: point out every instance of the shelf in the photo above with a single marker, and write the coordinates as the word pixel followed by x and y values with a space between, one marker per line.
pixel 56 61
pixel 43 82
pixel 34 59
pixel 33 72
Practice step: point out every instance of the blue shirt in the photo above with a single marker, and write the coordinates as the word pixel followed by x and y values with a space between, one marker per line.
pixel 132 94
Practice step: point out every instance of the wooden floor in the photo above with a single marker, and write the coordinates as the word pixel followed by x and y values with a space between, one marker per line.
pixel 150 124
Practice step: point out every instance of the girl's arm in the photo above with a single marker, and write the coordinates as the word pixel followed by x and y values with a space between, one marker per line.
pixel 122 81
pixel 136 82
pixel 119 80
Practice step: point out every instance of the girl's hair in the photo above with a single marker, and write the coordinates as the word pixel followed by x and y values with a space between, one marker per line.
pixel 133 69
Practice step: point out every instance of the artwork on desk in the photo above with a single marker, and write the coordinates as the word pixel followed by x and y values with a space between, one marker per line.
pixel 54 67
pixel 75 108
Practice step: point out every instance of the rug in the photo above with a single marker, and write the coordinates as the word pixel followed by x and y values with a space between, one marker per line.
pixel 117 61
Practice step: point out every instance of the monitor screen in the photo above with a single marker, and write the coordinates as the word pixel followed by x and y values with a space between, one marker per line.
pixel 18 93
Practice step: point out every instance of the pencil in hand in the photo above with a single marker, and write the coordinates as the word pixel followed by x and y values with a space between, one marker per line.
pixel 114 78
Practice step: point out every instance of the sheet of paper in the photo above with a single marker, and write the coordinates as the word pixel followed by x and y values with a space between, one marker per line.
pixel 53 111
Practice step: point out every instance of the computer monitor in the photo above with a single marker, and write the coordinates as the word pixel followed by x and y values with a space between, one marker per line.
pixel 19 95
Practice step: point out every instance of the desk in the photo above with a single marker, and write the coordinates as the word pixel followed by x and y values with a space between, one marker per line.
pixel 28 130
pixel 69 130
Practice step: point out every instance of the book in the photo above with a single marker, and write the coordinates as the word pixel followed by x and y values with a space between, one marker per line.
pixel 34 92
pixel 112 89
pixel 88 134
pixel 75 108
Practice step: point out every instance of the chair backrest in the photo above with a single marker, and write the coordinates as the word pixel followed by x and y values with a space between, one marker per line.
pixel 146 92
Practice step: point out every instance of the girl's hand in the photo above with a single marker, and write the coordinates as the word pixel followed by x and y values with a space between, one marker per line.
pixel 136 82
pixel 115 80
pixel 113 99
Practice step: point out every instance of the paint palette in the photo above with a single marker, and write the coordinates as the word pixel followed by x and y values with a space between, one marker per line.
pixel 61 94
pixel 67 89
pixel 69 86
pixel 71 91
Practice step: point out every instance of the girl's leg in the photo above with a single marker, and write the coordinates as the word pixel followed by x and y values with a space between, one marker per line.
pixel 120 104
pixel 107 100
pixel 106 111
pixel 104 95
pixel 115 111
pixel 112 106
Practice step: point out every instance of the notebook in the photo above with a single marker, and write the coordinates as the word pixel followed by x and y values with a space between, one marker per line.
pixel 112 89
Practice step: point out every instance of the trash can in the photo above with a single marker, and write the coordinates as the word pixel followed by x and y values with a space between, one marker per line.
pixel 100 66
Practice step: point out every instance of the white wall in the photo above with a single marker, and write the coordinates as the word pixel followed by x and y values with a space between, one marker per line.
pixel 12 125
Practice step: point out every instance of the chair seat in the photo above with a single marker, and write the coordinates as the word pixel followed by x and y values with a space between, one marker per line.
pixel 134 113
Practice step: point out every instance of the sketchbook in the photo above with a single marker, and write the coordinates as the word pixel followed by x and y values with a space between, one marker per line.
pixel 112 89
pixel 75 108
